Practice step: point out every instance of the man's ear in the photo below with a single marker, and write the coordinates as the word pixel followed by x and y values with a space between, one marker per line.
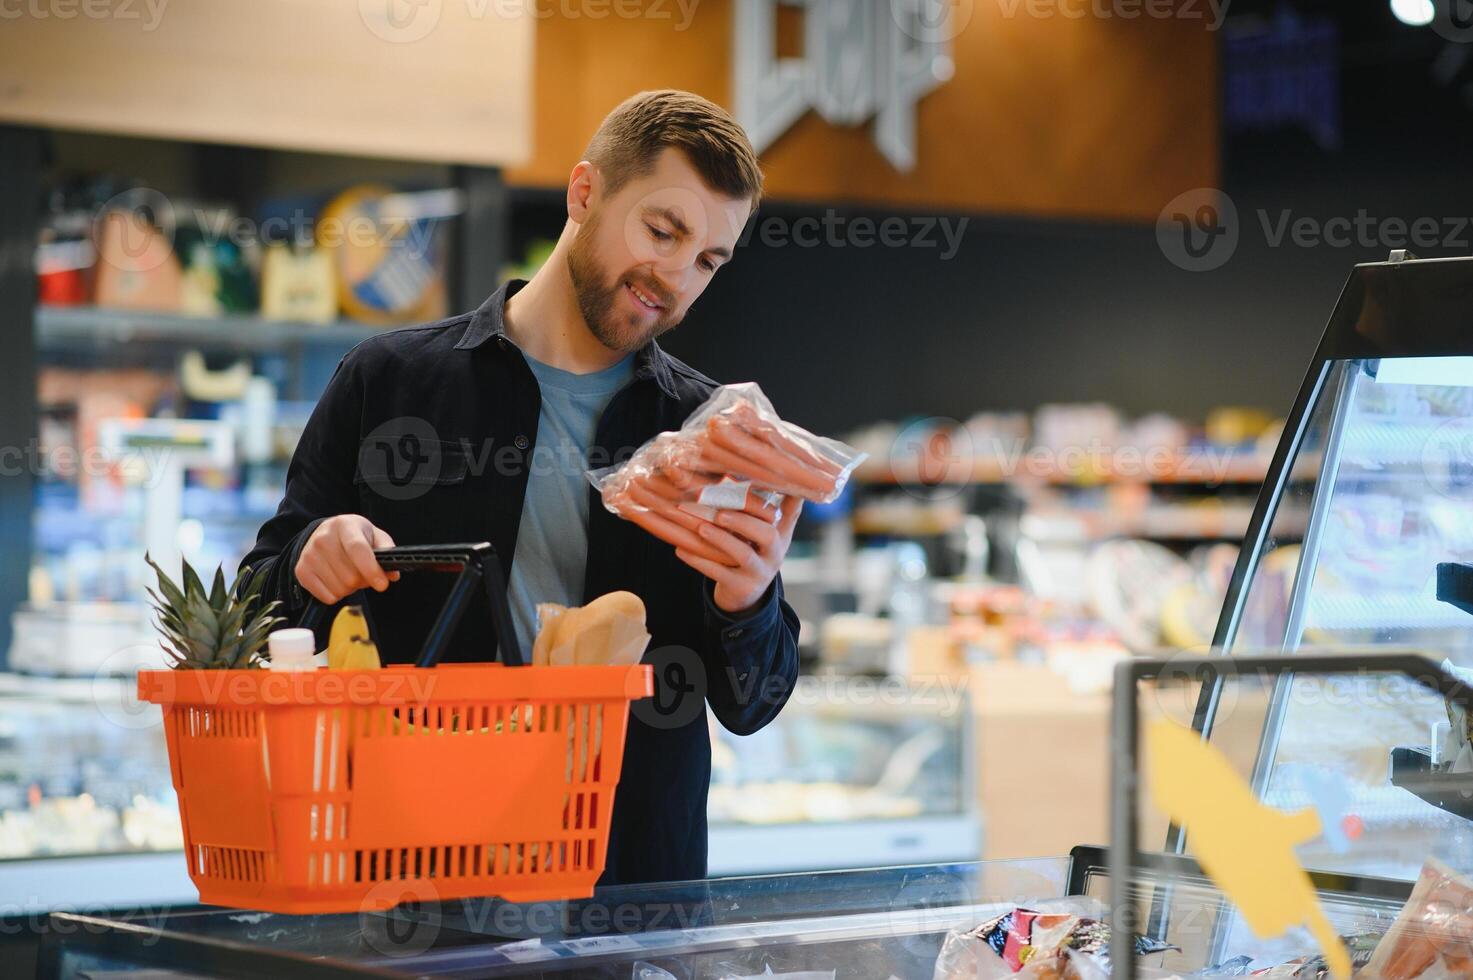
pixel 583 188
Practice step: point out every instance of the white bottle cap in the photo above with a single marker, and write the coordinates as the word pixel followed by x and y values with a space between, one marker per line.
pixel 291 647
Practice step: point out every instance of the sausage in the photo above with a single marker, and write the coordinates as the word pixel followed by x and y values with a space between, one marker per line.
pixel 750 419
pixel 729 435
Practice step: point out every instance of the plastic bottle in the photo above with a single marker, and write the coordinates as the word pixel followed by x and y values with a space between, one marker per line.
pixel 292 649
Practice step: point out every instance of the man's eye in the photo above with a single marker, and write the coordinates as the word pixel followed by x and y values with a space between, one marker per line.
pixel 706 264
pixel 659 236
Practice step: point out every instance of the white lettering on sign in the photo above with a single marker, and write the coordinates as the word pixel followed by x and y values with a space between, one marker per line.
pixel 861 59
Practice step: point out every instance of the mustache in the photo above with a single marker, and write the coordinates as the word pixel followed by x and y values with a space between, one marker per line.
pixel 652 288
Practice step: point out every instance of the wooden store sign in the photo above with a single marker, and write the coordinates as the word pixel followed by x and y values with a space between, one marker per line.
pixel 1071 108
pixel 861 59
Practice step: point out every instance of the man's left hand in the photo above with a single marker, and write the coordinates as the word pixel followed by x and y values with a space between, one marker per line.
pixel 756 546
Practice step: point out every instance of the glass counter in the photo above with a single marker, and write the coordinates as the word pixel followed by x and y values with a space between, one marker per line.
pixel 854 772
pixel 88 815
pixel 876 924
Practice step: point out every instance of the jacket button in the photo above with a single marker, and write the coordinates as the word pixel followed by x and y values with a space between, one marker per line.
pixel 521 442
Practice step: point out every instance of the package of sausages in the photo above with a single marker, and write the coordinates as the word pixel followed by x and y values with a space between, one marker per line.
pixel 733 453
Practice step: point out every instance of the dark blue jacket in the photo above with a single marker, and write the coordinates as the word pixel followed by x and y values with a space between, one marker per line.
pixel 428 432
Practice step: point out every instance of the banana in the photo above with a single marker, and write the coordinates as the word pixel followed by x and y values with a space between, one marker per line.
pixel 349 646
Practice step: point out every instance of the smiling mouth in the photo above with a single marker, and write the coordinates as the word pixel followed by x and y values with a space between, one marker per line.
pixel 642 298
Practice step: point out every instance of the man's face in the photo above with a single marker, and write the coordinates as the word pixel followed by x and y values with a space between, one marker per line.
pixel 643 254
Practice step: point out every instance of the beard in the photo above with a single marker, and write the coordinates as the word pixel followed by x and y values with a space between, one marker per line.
pixel 598 297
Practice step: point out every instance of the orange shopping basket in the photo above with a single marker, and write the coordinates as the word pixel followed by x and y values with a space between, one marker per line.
pixel 342 791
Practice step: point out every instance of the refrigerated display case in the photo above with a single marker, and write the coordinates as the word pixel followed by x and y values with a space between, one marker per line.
pixel 1374 474
pixel 88 816
pixel 855 772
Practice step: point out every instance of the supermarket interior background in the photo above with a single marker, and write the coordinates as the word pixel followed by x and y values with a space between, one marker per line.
pixel 1058 266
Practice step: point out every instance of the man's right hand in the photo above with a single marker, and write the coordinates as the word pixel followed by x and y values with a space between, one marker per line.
pixel 337 559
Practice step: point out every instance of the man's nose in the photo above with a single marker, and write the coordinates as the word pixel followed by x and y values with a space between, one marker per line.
pixel 672 277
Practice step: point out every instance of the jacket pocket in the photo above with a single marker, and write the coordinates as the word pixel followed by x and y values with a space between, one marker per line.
pixel 406 467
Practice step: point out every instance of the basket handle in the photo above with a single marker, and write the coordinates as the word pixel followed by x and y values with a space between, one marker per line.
pixel 477 566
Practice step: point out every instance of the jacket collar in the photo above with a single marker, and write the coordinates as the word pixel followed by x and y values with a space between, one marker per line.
pixel 489 321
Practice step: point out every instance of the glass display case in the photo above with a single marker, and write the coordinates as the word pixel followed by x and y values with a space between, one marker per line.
pixel 1375 474
pixel 934 922
pixel 88 816
pixel 855 772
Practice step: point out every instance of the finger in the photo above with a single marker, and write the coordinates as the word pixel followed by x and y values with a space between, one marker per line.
pixel 761 509
pixel 381 539
pixel 664 508
pixel 672 533
pixel 791 508
pixel 715 571
pixel 365 567
pixel 738 551
pixel 314 586
pixel 760 533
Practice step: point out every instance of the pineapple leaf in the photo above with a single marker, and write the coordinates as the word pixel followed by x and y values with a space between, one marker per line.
pixel 166 584
pixel 192 583
pixel 218 597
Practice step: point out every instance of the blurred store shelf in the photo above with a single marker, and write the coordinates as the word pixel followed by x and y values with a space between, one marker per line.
pixel 82 328
pixel 1210 467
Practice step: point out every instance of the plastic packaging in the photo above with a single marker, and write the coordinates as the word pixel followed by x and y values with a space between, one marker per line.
pixel 1433 935
pixel 292 650
pixel 1063 940
pixel 733 453
pixel 610 630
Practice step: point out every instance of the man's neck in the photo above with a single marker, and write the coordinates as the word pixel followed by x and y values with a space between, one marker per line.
pixel 544 320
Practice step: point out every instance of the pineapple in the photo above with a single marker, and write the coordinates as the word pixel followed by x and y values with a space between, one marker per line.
pixel 213 630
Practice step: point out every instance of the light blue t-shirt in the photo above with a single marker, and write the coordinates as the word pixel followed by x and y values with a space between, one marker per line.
pixel 552 539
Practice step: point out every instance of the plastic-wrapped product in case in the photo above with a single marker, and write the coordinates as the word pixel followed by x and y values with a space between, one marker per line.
pixel 1433 935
